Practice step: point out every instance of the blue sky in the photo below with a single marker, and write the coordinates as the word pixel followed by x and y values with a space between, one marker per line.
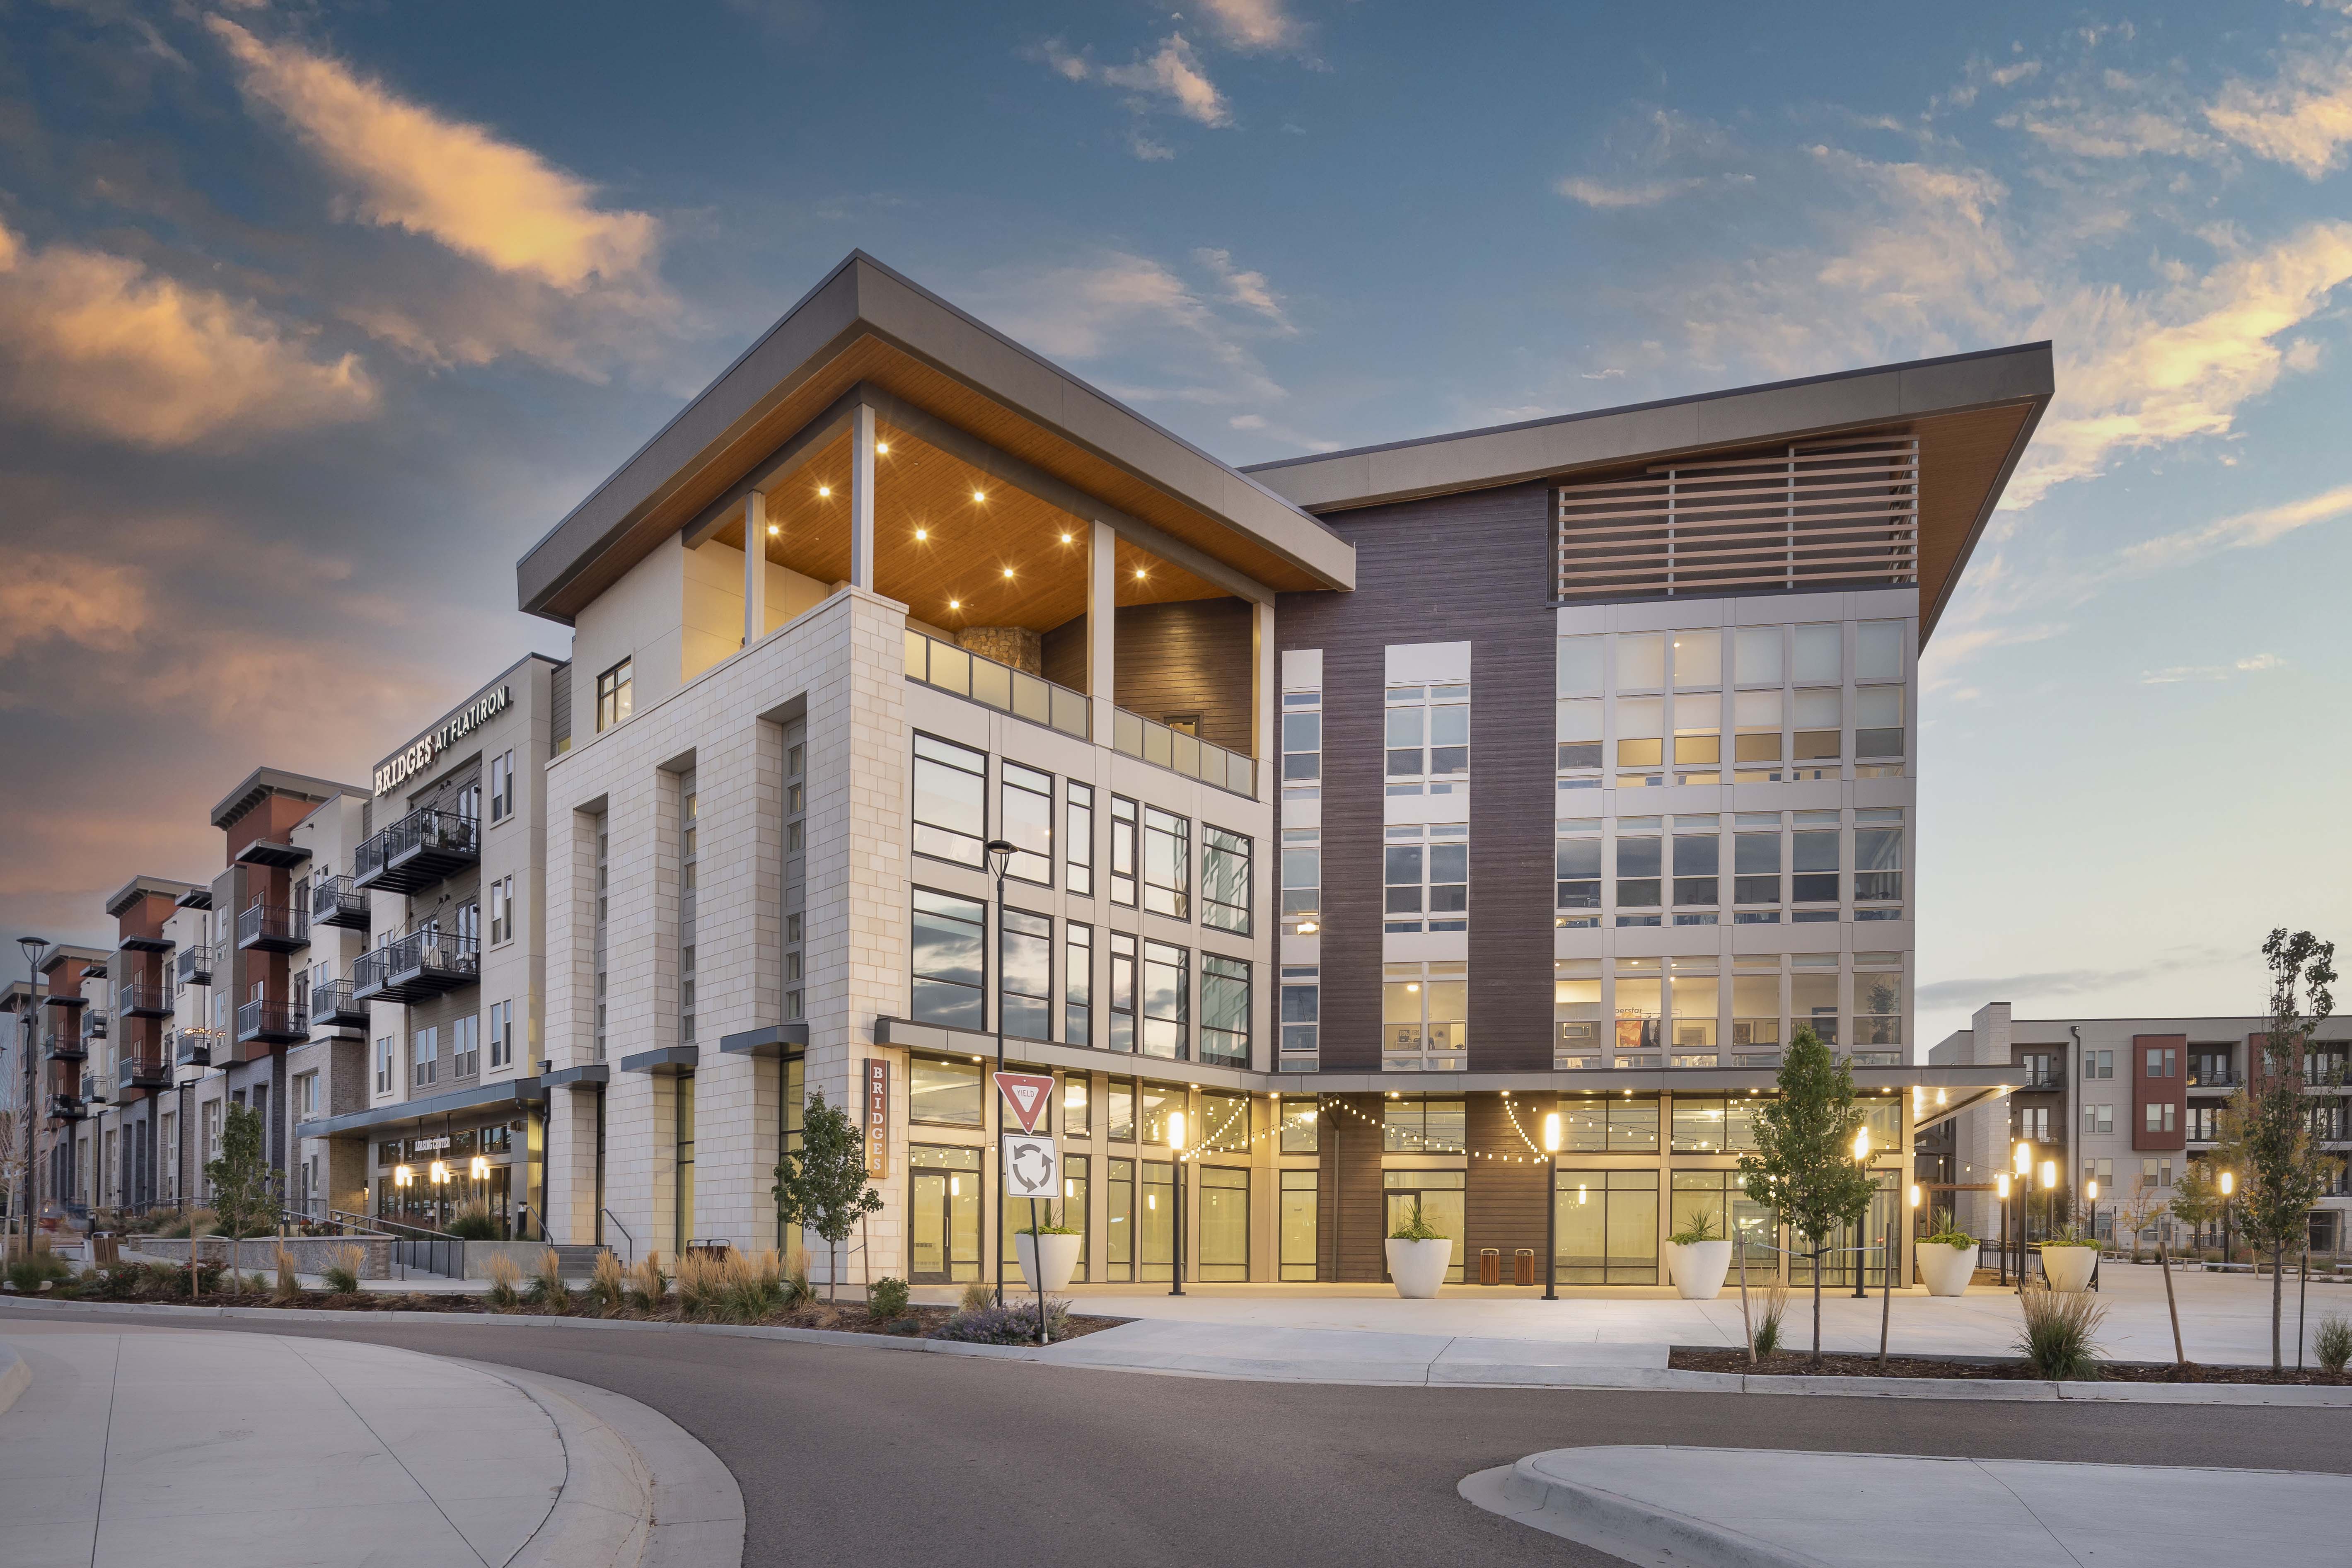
pixel 312 317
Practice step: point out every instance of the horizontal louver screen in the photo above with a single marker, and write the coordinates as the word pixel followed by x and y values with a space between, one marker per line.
pixel 1807 517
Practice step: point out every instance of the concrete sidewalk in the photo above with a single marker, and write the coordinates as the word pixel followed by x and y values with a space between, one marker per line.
pixel 147 1444
pixel 1745 1507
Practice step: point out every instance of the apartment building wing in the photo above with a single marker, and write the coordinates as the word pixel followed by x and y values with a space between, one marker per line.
pixel 1366 811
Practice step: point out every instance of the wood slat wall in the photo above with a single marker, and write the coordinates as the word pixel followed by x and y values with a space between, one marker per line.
pixel 1190 657
pixel 1351 1221
pixel 1505 1203
pixel 1473 567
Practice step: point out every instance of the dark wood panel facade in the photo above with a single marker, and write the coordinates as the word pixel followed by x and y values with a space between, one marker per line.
pixel 1474 568
pixel 1350 1224
pixel 1504 1206
pixel 1188 657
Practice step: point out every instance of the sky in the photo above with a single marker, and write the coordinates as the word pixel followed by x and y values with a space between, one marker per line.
pixel 313 316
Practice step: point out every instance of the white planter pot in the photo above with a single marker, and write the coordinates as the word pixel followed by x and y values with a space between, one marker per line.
pixel 1699 1268
pixel 1061 1259
pixel 1947 1270
pixel 1419 1267
pixel 2069 1267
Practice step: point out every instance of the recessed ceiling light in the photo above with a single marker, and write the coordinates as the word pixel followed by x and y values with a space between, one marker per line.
pixel 955 603
pixel 921 534
pixel 825 492
pixel 979 495
pixel 1138 571
pixel 1065 539
pixel 773 529
pixel 882 446
pixel 1008 571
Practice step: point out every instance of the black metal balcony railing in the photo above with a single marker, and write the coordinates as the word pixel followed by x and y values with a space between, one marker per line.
pixel 268 928
pixel 137 999
pixel 141 1072
pixel 94 1024
pixel 337 901
pixel 67 1107
pixel 2045 1077
pixel 193 1047
pixel 272 1023
pixel 64 1048
pixel 417 851
pixel 332 1005
pixel 2215 1078
pixel 416 968
pixel 195 962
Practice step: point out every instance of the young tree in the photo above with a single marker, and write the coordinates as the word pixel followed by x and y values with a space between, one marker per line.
pixel 1803 1168
pixel 2283 1174
pixel 823 1187
pixel 2137 1210
pixel 244 1189
pixel 2197 1198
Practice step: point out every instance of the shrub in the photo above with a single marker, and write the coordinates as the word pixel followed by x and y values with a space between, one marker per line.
pixel 344 1273
pixel 289 1282
pixel 29 1272
pixel 503 1275
pixel 1417 1228
pixel 1007 1325
pixel 1947 1234
pixel 2059 1329
pixel 1702 1228
pixel 700 1277
pixel 608 1290
pixel 472 1223
pixel 648 1285
pixel 2070 1236
pixel 978 1296
pixel 2332 1341
pixel 1769 1316
pixel 547 1287
pixel 798 1292
pixel 888 1299
pixel 750 1287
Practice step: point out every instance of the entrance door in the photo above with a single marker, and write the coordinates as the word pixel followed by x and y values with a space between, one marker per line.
pixel 943 1214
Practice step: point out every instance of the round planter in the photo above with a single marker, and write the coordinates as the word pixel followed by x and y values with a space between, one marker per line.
pixel 1947 1270
pixel 1061 1259
pixel 1419 1267
pixel 1699 1268
pixel 2069 1267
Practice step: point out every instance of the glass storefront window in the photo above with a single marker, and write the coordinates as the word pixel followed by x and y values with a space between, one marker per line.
pixel 943 1214
pixel 1224 1223
pixel 1157 1220
pixel 943 1092
pixel 1301 1127
pixel 1607 1226
pixel 1224 1121
pixel 1440 1194
pixel 1118 1242
pixel 1297 1222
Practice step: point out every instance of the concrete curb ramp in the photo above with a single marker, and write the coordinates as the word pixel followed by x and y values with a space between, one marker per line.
pixel 1341 1356
pixel 1733 1508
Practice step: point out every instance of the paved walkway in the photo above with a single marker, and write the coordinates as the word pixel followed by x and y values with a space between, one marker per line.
pixel 1749 1507
pixel 150 1444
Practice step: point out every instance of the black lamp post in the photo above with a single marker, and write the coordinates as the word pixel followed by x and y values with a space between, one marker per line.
pixel 1000 854
pixel 1551 1206
pixel 21 1200
pixel 1176 1166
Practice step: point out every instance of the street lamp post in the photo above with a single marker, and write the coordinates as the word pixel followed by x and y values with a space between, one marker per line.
pixel 2001 1185
pixel 1551 1206
pixel 2049 1207
pixel 1176 1165
pixel 1861 1158
pixel 2229 1185
pixel 2024 1161
pixel 2091 1198
pixel 1000 854
pixel 21 1200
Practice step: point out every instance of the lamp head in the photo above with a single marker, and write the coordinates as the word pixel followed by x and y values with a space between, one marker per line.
pixel 2049 1175
pixel 1862 1144
pixel 32 946
pixel 1551 1134
pixel 2091 1189
pixel 1914 1194
pixel 1000 853
pixel 2229 1182
pixel 2001 1185
pixel 1176 1130
pixel 2024 1160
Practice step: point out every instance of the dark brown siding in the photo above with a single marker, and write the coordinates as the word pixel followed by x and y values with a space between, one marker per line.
pixel 1349 1226
pixel 2172 1091
pixel 1189 657
pixel 1457 568
pixel 1505 1203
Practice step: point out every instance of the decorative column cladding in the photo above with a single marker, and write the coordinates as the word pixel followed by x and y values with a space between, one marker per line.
pixel 1017 646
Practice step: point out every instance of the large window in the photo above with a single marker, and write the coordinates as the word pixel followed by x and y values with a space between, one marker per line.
pixel 1877 861
pixel 1427 732
pixel 1426 870
pixel 1576 872
pixel 1424 1124
pixel 1167 863
pixel 1224 1010
pixel 1814 995
pixel 1225 881
pixel 613 695
pixel 1225 1122
pixel 1638 1000
pixel 1167 1000
pixel 1027 797
pixel 1424 1015
pixel 1606 1223
pixel 1077 983
pixel 1302 880
pixel 951 800
pixel 1576 1013
pixel 1697 862
pixel 1078 838
pixel 465 1045
pixel 1437 1197
pixel 1118 1240
pixel 690 817
pixel 1302 1124
pixel 1025 968
pixel 1756 866
pixel 1302 745
pixel 424 1058
pixel 793 950
pixel 949 968
pixel 942 1092
pixel 502 800
pixel 943 1197
pixel 1697 997
pixel 1639 866
pixel 1600 1125
pixel 1224 1223
pixel 1878 1004
pixel 1124 980
pixel 1712 1124
pixel 1813 858
pixel 1125 851
pixel 1297 1222
pixel 1302 1014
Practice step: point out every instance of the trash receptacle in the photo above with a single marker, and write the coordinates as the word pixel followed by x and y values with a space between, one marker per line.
pixel 1490 1266
pixel 1523 1266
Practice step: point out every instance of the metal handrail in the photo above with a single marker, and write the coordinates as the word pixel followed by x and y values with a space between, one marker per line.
pixel 624 1229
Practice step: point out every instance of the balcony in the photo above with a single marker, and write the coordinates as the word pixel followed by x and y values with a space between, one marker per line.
pixel 94 1024
pixel 196 965
pixel 336 901
pixel 67 1107
pixel 64 1049
pixel 136 999
pixel 264 928
pixel 420 849
pixel 332 1006
pixel 272 1023
pixel 194 1048
pixel 148 944
pixel 416 968
pixel 1133 735
pixel 65 999
pixel 142 1072
pixel 2214 1077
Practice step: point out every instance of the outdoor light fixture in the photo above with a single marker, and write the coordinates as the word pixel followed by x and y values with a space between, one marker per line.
pixel 2049 1175
pixel 955 603
pixel 921 534
pixel 1551 1206
pixel 1176 1148
pixel 1138 571
pixel 1307 928
pixel 2001 1185
pixel 1862 1145
pixel 2024 1162
pixel 773 529
pixel 1065 539
pixel 479 1170
pixel 437 1173
pixel 1914 1194
pixel 1008 571
pixel 2229 1182
pixel 978 495
pixel 882 448
pixel 402 1176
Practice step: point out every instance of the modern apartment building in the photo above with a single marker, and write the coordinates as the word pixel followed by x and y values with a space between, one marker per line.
pixel 2126 1102
pixel 1366 809
pixel 66 1085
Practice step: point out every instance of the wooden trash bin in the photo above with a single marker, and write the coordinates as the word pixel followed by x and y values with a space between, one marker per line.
pixel 1523 1266
pixel 1490 1266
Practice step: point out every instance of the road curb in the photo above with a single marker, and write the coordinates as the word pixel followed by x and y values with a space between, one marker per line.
pixel 1605 1521
pixel 15 1375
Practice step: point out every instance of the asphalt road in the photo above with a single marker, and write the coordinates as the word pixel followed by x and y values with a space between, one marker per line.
pixel 879 1458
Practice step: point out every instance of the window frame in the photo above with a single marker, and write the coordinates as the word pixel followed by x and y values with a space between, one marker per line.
pixel 1237 850
pixel 615 694
pixel 943 841
pixel 978 1000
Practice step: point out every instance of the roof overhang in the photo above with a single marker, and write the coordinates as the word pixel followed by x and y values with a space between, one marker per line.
pixel 139 888
pixel 866 324
pixel 517 1093
pixel 262 783
pixel 1973 414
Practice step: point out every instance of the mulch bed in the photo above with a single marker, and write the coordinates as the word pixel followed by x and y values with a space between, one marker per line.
pixel 1797 1363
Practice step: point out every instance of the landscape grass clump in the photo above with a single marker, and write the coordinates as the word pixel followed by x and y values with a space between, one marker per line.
pixel 289 1278
pixel 504 1276
pixel 978 1294
pixel 700 1277
pixel 1010 1325
pixel 472 1223
pixel 2060 1337
pixel 547 1288
pixel 2332 1341
pixel 1769 1318
pixel 342 1275
pixel 29 1271
pixel 1700 1226
pixel 648 1284
pixel 608 1285
pixel 750 1287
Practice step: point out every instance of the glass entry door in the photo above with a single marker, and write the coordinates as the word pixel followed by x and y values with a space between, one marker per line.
pixel 943 1214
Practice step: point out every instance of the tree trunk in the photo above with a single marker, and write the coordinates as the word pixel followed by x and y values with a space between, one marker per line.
pixel 2278 1296
pixel 1817 1306
pixel 831 1269
pixel 2164 1262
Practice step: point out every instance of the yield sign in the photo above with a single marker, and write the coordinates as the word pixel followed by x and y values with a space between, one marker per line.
pixel 1026 1094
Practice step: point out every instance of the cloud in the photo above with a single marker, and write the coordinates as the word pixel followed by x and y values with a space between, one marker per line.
pixel 413 169
pixel 1261 25
pixel 1594 193
pixel 2303 119
pixel 1172 79
pixel 2178 673
pixel 1136 313
pixel 91 604
pixel 1936 995
pixel 99 344
pixel 2246 530
pixel 1246 288
pixel 2086 130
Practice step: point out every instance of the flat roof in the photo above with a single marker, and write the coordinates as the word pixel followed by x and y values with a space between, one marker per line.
pixel 1973 412
pixel 263 783
pixel 866 326
pixel 132 892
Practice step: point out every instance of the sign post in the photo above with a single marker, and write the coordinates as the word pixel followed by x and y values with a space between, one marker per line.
pixel 1030 1164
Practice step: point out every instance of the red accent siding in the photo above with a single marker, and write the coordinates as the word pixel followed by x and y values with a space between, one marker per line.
pixel 2166 1090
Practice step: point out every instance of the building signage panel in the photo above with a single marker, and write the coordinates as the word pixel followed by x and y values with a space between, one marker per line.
pixel 1033 1166
pixel 420 757
pixel 878 1116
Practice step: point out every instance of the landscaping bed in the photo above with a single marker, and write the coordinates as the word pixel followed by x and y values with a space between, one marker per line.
pixel 1797 1363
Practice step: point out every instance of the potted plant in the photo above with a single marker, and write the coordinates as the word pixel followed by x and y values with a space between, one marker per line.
pixel 1947 1258
pixel 1054 1249
pixel 2067 1259
pixel 1698 1256
pixel 1419 1256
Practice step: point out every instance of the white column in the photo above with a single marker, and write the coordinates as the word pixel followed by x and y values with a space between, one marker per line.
pixel 1269 706
pixel 1102 624
pixel 861 499
pixel 755 567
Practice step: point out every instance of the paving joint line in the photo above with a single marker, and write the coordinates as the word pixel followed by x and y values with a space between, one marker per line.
pixel 311 1367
